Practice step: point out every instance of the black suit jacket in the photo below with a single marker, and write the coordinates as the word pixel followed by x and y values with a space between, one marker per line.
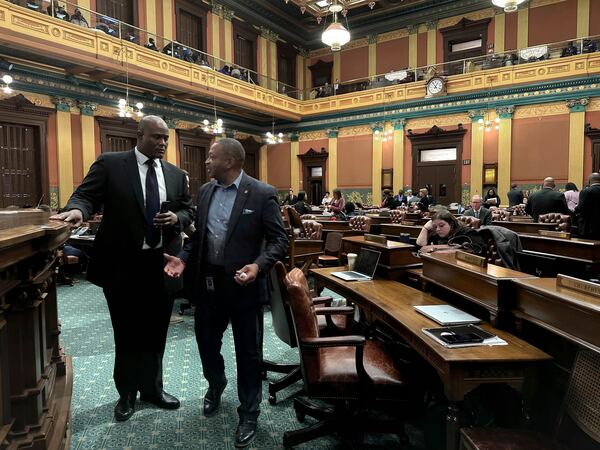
pixel 485 215
pixel 546 201
pixel 588 210
pixel 255 233
pixel 113 183
pixel 515 197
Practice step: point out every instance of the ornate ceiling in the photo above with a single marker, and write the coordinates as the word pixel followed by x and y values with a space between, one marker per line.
pixel 364 17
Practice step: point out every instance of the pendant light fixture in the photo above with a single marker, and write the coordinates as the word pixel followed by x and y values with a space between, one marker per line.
pixel 508 5
pixel 335 35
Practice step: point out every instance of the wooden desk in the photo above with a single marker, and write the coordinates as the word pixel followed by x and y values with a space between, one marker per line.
pixel 395 256
pixel 525 227
pixel 481 285
pixel 570 314
pixel 578 251
pixel 460 369
pixel 394 229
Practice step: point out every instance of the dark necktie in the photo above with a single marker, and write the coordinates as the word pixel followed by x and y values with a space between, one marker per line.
pixel 152 205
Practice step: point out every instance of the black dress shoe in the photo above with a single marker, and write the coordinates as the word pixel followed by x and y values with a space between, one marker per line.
pixel 125 407
pixel 164 401
pixel 245 433
pixel 212 400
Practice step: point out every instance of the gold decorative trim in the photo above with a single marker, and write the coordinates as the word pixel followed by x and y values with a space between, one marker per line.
pixel 313 135
pixel 442 121
pixel 475 15
pixel 538 3
pixel 594 105
pixel 550 109
pixel 391 35
pixel 355 131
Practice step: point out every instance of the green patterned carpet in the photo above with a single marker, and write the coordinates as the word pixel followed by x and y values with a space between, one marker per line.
pixel 87 337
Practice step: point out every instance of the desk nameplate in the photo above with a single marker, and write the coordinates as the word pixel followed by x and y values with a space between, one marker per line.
pixel 470 258
pixel 584 286
pixel 556 234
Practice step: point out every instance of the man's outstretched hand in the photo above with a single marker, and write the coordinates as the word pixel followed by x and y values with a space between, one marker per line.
pixel 73 217
pixel 174 267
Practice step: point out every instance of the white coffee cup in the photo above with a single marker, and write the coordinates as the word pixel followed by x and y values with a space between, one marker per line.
pixel 351 260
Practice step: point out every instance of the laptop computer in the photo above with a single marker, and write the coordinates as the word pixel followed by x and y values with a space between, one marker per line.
pixel 364 268
pixel 446 314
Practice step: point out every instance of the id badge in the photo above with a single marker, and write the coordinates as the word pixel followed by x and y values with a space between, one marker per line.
pixel 210 284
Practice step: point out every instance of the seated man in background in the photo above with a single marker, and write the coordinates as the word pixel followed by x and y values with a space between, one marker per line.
pixel 425 200
pixel 478 211
pixel 546 201
pixel 588 209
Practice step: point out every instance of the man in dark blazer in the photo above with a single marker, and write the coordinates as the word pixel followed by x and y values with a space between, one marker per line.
pixel 128 255
pixel 588 209
pixel 290 199
pixel 478 211
pixel 515 195
pixel 546 201
pixel 239 236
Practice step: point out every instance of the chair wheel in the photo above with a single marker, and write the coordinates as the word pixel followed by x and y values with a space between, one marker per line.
pixel 300 416
pixel 272 399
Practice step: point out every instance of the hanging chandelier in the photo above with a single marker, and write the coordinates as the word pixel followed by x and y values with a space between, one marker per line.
pixel 485 123
pixel 215 127
pixel 125 109
pixel 7 79
pixel 385 135
pixel 335 35
pixel 508 5
pixel 271 137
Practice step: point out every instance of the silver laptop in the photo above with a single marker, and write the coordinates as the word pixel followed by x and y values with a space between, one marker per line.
pixel 364 268
pixel 446 314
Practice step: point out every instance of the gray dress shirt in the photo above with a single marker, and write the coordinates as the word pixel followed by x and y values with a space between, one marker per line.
pixel 217 222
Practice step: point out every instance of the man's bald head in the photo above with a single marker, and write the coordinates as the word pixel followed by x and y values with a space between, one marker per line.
pixel 549 183
pixel 476 202
pixel 147 120
pixel 152 137
pixel 594 178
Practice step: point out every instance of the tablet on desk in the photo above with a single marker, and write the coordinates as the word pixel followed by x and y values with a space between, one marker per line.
pixel 446 314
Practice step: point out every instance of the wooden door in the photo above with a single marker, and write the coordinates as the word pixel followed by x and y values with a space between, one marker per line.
pixel 315 188
pixel 189 31
pixel 117 135
pixel 440 180
pixel 123 10
pixel 19 166
pixel 119 143
pixel 192 161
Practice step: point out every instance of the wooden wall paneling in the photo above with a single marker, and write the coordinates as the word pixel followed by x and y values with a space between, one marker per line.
pixel 117 135
pixel 193 150
pixel 191 20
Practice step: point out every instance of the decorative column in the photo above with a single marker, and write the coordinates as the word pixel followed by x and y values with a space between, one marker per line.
pixel 88 138
pixel 332 178
pixel 583 18
pixel 216 13
pixel 87 6
pixel 431 42
pixel 294 163
pixel 505 113
pixel 337 67
pixel 499 31
pixel 398 158
pixel 228 28
pixel 576 139
pixel 300 70
pixel 523 28
pixel 477 132
pixel 273 37
pixel 263 167
pixel 263 62
pixel 377 163
pixel 372 39
pixel 65 148
pixel 413 32
pixel 151 19
pixel 308 84
pixel 168 13
pixel 171 155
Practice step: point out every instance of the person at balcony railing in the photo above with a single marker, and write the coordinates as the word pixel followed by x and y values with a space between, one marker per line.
pixel 151 44
pixel 78 19
pixel 59 11
pixel 569 50
pixel 188 55
pixel 33 5
pixel 589 46
pixel 131 37
pixel 236 73
pixel 225 70
pixel 108 25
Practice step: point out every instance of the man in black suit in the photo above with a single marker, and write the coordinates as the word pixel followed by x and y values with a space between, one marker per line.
pixel 239 236
pixel 588 209
pixel 290 199
pixel 128 255
pixel 426 200
pixel 478 211
pixel 515 195
pixel 546 201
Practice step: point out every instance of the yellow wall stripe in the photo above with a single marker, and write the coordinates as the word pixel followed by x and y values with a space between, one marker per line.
pixel 167 8
pixel 431 46
pixel 499 32
pixel 583 18
pixel 228 28
pixel 576 147
pixel 65 156
pixel 523 28
pixel 263 167
pixel 476 156
pixel 504 156
pixel 151 17
pixel 332 165
pixel 88 142
pixel 412 50
pixel 398 160
pixel 376 169
pixel 295 166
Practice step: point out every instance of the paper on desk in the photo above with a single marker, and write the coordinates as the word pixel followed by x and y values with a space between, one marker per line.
pixel 487 342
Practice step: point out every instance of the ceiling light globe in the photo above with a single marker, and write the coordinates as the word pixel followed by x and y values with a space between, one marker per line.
pixel 139 105
pixel 508 5
pixel 122 102
pixel 7 79
pixel 335 36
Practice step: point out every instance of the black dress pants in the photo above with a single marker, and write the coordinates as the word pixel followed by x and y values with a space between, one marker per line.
pixel 140 310
pixel 240 305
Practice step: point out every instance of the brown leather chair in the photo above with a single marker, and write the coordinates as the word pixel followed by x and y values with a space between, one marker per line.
pixel 397 215
pixel 501 215
pixel 470 221
pixel 308 217
pixel 360 223
pixel 562 221
pixel 331 252
pixel 311 230
pixel 350 372
pixel 284 329
pixel 580 408
pixel 519 210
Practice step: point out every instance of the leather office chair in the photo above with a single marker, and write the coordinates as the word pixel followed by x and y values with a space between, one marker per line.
pixel 284 329
pixel 331 252
pixel 360 223
pixel 308 217
pixel 519 210
pixel 502 215
pixel 349 372
pixel 470 221
pixel 397 215
pixel 580 408
pixel 311 230
pixel 562 221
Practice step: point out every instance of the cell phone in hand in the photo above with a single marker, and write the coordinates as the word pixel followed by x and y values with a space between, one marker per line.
pixel 164 207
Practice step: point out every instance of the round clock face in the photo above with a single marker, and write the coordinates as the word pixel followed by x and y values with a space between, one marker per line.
pixel 435 86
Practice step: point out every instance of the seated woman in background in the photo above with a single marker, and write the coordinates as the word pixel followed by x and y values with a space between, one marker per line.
pixel 491 198
pixel 445 229
pixel 388 200
pixel 571 195
pixel 337 204
pixel 301 206
pixel 326 199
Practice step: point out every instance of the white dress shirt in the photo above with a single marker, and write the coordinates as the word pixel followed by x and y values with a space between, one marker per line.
pixel 160 177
